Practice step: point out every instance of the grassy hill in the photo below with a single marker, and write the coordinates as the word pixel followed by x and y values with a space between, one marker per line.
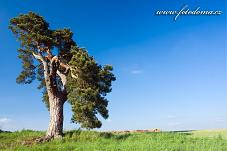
pixel 77 140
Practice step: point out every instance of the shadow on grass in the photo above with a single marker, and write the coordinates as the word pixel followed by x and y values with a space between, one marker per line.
pixel 122 136
pixel 114 136
pixel 94 134
pixel 184 132
pixel 72 132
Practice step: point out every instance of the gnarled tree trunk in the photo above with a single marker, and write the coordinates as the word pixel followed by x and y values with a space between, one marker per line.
pixel 55 128
pixel 57 97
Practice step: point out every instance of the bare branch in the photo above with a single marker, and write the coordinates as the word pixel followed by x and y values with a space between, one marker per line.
pixel 44 49
pixel 54 59
pixel 53 62
pixel 45 66
pixel 66 66
pixel 63 78
pixel 72 74
pixel 48 52
pixel 39 57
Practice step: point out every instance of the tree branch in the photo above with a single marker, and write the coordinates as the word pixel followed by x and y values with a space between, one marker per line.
pixel 53 65
pixel 67 67
pixel 46 71
pixel 39 57
pixel 63 78
pixel 54 60
pixel 72 74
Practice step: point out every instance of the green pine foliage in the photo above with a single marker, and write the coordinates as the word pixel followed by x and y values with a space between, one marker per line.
pixel 87 92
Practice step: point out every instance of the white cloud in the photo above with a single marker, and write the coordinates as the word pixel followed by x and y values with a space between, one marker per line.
pixel 220 119
pixel 171 116
pixel 136 71
pixel 174 123
pixel 4 121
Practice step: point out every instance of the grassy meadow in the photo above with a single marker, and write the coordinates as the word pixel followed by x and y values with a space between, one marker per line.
pixel 77 140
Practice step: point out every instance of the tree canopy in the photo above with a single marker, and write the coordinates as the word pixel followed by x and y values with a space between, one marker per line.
pixel 52 57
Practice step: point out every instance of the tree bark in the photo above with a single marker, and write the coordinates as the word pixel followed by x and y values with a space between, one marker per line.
pixel 56 98
pixel 55 128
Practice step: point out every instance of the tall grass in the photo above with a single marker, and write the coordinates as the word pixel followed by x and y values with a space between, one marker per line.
pixel 103 141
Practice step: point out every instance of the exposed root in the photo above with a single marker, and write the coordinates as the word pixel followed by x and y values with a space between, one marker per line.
pixel 44 139
pixel 37 140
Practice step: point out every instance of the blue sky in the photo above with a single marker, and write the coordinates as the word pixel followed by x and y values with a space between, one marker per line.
pixel 170 75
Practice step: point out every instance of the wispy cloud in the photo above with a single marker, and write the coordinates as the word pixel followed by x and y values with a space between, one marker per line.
pixel 220 119
pixel 174 123
pixel 171 116
pixel 4 121
pixel 136 71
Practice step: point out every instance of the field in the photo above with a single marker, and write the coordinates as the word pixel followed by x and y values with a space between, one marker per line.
pixel 215 140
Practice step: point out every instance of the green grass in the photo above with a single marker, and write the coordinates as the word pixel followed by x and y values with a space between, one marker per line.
pixel 211 133
pixel 103 141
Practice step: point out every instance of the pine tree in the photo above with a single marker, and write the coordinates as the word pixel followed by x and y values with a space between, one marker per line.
pixel 65 72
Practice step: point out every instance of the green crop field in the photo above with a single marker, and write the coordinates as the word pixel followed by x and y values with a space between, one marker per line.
pixel 213 140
